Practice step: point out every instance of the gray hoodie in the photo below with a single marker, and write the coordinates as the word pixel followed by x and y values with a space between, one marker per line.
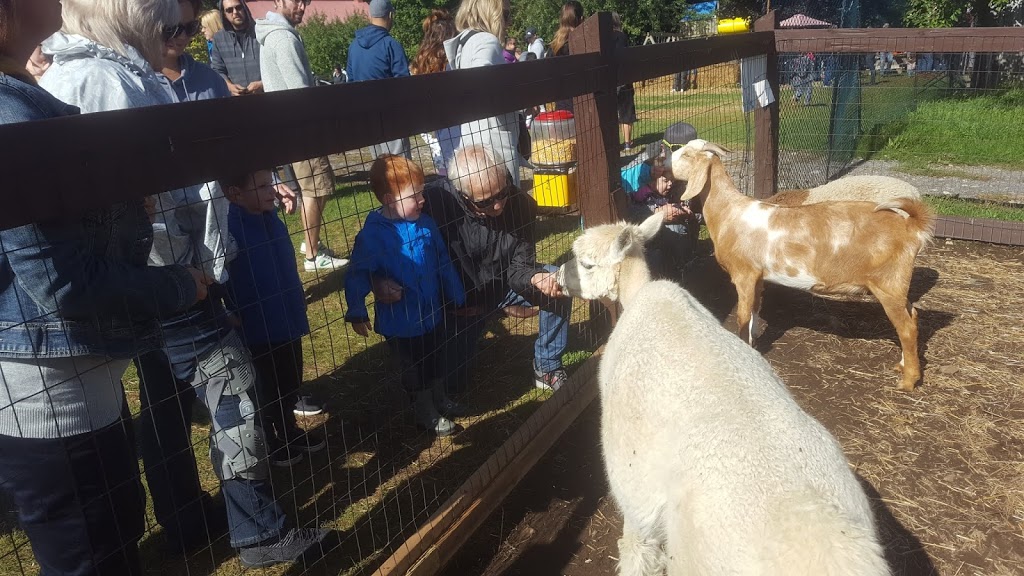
pixel 474 49
pixel 284 64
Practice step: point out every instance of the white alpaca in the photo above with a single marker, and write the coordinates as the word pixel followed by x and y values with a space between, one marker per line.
pixel 866 188
pixel 715 467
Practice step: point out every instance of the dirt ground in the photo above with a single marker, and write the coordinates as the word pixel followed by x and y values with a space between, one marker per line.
pixel 944 466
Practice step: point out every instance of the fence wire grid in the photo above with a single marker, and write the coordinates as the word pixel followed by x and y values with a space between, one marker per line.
pixel 261 409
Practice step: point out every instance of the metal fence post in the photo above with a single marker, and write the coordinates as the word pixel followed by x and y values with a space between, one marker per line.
pixel 766 120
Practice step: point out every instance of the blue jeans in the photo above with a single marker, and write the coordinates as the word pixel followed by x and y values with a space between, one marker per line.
pixel 253 514
pixel 552 335
pixel 80 500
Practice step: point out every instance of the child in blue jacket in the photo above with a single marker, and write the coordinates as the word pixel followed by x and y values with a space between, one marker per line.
pixel 400 243
pixel 266 294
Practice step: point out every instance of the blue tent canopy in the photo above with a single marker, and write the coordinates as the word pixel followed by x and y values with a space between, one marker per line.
pixel 700 11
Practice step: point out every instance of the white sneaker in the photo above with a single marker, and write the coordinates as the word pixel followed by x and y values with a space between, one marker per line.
pixel 324 261
pixel 320 248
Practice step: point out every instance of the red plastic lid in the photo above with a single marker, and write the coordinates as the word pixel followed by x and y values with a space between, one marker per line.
pixel 555 115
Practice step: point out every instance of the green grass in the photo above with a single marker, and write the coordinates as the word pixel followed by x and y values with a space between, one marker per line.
pixel 982 130
pixel 968 209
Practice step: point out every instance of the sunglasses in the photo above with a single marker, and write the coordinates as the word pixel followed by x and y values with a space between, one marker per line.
pixel 189 29
pixel 501 196
pixel 233 9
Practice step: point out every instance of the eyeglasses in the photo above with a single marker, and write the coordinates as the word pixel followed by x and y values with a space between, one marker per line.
pixel 672 146
pixel 189 29
pixel 303 2
pixel 233 9
pixel 503 195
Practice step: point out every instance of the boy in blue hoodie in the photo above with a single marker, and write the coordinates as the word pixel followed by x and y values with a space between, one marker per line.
pixel 375 55
pixel 266 294
pixel 400 243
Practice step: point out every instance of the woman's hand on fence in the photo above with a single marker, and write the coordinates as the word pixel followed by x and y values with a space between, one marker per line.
pixel 361 328
pixel 386 290
pixel 199 277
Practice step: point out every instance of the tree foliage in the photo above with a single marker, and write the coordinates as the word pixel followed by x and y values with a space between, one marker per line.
pixel 948 13
pixel 327 42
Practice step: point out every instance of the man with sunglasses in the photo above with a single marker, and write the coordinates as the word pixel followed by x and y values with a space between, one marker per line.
pixel 489 227
pixel 236 53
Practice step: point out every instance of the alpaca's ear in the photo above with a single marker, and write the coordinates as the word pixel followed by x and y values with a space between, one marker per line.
pixel 618 250
pixel 649 227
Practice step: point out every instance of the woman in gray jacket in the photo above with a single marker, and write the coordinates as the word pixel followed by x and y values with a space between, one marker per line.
pixel 481 23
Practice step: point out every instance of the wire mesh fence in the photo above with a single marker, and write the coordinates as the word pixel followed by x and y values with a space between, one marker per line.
pixel 339 349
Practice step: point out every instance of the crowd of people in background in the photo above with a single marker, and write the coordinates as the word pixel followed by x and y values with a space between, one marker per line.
pixel 199 288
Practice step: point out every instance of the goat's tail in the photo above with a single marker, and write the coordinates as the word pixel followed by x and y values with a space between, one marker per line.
pixel 919 216
pixel 813 537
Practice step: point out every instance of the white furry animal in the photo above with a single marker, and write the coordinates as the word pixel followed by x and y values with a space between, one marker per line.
pixel 716 469
pixel 876 189
pixel 826 248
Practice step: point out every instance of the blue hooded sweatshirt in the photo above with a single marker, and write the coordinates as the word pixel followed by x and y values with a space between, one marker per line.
pixel 375 55
pixel 197 82
pixel 265 289
pixel 414 255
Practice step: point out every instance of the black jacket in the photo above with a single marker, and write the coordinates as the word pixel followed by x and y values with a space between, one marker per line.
pixel 492 255
pixel 236 53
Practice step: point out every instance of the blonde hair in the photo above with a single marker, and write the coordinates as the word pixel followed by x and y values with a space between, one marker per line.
pixel 482 15
pixel 212 21
pixel 477 170
pixel 118 24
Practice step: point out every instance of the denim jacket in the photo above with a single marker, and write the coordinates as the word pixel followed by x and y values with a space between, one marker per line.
pixel 81 287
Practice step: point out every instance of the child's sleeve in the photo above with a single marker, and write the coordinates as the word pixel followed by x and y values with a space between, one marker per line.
pixel 358 277
pixel 450 281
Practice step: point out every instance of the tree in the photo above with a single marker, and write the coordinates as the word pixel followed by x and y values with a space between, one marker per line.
pixel 327 42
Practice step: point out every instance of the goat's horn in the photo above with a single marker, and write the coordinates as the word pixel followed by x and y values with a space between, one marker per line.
pixel 718 150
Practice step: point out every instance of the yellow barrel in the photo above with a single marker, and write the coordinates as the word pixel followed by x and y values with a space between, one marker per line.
pixel 554 189
pixel 733 26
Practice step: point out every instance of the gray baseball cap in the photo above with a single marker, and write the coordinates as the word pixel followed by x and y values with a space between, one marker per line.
pixel 381 8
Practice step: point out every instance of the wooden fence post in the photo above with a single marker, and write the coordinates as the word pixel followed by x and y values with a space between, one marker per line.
pixel 597 141
pixel 597 128
pixel 766 120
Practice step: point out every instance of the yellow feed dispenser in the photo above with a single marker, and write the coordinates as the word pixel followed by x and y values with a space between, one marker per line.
pixel 553 135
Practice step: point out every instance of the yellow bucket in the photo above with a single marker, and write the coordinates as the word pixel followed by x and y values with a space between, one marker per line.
pixel 555 189
pixel 733 25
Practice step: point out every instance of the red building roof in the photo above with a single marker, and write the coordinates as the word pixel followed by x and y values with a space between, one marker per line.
pixel 801 21
pixel 331 9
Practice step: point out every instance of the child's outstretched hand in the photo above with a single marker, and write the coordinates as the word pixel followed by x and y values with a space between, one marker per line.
pixel 361 328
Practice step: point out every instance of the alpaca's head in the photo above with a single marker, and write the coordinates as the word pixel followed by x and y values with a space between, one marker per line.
pixel 598 257
pixel 692 164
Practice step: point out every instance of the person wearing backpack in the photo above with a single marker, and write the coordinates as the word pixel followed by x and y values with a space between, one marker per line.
pixel 481 23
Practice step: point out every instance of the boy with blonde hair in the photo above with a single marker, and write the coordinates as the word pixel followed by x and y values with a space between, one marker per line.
pixel 401 244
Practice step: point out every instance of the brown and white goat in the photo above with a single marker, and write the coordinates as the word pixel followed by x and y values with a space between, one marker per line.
pixel 828 248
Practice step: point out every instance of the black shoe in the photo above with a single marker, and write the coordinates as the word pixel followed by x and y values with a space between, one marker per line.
pixel 282 454
pixel 307 441
pixel 307 406
pixel 289 548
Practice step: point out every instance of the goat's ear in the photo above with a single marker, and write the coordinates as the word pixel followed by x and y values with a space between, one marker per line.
pixel 624 241
pixel 698 177
pixel 649 227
